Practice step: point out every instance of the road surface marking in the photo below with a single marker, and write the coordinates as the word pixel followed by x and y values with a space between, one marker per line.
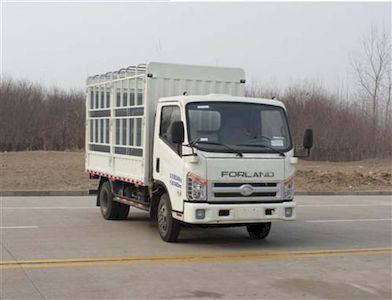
pixel 365 288
pixel 348 220
pixel 209 257
pixel 95 207
pixel 18 227
pixel 48 207
pixel 342 205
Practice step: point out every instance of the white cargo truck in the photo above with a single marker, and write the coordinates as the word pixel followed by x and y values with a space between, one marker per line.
pixel 184 143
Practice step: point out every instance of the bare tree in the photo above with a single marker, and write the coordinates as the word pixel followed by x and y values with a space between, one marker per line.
pixel 371 66
pixel 388 88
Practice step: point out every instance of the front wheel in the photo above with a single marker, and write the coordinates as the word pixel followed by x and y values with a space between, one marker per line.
pixel 258 231
pixel 169 228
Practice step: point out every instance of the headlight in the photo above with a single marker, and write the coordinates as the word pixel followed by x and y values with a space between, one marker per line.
pixel 196 187
pixel 288 188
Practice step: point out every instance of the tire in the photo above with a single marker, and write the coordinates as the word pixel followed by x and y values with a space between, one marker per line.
pixel 154 209
pixel 168 227
pixel 258 231
pixel 111 210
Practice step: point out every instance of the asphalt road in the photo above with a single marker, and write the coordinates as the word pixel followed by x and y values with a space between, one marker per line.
pixel 60 247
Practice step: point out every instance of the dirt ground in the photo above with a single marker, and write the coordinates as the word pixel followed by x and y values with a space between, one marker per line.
pixel 365 175
pixel 61 171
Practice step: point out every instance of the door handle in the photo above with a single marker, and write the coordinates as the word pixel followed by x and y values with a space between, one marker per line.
pixel 157 165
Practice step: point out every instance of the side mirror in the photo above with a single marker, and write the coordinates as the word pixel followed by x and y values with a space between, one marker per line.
pixel 308 140
pixel 177 132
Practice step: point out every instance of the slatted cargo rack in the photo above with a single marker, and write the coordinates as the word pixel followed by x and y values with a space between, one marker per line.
pixel 120 109
pixel 115 103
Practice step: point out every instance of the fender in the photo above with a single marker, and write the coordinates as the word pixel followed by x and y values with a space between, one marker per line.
pixel 114 187
pixel 159 188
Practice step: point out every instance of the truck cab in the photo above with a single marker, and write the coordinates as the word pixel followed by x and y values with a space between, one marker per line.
pixel 224 160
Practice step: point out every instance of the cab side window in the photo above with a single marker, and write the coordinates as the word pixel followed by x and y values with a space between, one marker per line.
pixel 169 114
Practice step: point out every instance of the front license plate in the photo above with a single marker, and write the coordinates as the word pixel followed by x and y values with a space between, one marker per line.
pixel 250 212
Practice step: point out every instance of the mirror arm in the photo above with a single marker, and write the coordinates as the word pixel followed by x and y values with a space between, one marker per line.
pixel 306 155
pixel 193 150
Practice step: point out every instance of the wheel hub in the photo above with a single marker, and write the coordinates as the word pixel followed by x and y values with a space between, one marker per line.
pixel 162 219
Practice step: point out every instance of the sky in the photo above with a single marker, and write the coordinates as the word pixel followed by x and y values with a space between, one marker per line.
pixel 277 44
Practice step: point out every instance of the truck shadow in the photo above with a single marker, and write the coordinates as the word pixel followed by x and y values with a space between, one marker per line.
pixel 294 235
pixel 230 237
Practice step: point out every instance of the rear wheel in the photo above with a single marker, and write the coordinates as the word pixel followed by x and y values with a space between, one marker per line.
pixel 111 210
pixel 169 228
pixel 258 231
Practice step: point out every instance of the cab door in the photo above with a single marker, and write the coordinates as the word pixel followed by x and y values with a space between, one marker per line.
pixel 168 164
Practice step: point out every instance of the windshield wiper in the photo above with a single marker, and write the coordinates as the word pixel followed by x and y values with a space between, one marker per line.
pixel 197 141
pixel 264 146
pixel 193 142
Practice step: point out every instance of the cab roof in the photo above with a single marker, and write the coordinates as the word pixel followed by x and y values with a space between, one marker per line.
pixel 221 98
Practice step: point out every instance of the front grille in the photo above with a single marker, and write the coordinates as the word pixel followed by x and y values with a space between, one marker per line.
pixel 225 195
pixel 243 191
pixel 238 184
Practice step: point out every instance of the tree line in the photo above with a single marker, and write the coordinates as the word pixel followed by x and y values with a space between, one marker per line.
pixel 35 118
pixel 343 130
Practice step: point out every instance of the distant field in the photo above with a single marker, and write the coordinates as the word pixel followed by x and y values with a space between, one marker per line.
pixel 51 170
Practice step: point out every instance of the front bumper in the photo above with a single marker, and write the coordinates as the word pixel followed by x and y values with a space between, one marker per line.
pixel 238 213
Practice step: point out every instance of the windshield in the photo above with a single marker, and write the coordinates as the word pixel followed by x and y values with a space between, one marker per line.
pixel 246 127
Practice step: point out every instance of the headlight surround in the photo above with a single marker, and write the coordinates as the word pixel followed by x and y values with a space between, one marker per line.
pixel 196 187
pixel 288 188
